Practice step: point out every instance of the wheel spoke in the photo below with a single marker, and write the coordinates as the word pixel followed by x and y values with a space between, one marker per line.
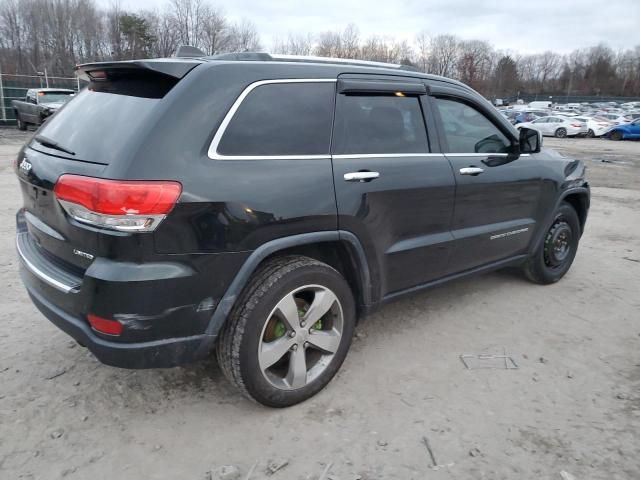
pixel 297 374
pixel 323 300
pixel 271 352
pixel 289 312
pixel 327 341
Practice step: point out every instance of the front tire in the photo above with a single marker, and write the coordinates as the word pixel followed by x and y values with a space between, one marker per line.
pixel 553 258
pixel 289 332
pixel 561 133
pixel 591 133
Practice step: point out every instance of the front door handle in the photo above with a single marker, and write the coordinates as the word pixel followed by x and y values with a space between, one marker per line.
pixel 361 176
pixel 471 171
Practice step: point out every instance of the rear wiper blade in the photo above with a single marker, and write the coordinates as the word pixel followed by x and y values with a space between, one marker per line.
pixel 47 142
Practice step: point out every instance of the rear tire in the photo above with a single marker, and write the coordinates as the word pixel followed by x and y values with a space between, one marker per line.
pixel 591 133
pixel 561 133
pixel 21 125
pixel 553 258
pixel 271 353
pixel 617 135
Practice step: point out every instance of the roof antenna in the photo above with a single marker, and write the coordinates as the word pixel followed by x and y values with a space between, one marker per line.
pixel 187 51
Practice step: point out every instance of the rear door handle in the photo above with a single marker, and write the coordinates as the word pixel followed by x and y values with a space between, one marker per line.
pixel 361 176
pixel 471 171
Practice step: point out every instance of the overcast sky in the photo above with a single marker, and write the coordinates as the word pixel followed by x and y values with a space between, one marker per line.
pixel 522 25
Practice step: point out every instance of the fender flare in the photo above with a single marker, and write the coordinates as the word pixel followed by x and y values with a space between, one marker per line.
pixel 583 190
pixel 241 279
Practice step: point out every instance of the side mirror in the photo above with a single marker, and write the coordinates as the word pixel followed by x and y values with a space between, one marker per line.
pixel 530 140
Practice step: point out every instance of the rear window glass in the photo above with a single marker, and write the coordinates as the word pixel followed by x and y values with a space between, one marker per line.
pixel 54 97
pixel 281 119
pixel 93 124
pixel 379 124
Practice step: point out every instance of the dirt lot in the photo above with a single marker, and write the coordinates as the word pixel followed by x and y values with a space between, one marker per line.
pixel 573 405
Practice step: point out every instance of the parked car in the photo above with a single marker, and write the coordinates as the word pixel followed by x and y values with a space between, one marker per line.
pixel 557 126
pixel 625 131
pixel 39 104
pixel 597 126
pixel 257 206
pixel 616 118
pixel 540 104
pixel 631 105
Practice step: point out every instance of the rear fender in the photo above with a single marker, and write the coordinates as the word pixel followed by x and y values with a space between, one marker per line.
pixel 241 279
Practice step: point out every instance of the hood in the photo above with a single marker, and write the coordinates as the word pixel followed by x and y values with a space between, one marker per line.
pixel 53 105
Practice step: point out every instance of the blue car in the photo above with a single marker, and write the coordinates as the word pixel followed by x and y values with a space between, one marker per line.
pixel 625 131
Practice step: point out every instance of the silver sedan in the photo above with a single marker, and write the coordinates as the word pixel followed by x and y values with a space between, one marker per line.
pixel 557 126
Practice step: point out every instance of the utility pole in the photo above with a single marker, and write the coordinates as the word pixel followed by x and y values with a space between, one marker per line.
pixel 2 101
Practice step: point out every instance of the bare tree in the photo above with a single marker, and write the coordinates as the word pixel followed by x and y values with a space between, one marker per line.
pixel 216 36
pixel 189 18
pixel 443 55
pixel 294 45
pixel 422 44
pixel 55 35
pixel 243 37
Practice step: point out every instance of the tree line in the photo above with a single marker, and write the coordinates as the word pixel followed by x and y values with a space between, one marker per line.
pixel 58 34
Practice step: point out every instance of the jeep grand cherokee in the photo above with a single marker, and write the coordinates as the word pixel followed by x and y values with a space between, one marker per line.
pixel 256 206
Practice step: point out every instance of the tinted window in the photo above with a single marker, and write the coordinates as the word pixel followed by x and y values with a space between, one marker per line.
pixel 379 124
pixel 469 131
pixel 93 124
pixel 282 119
pixel 55 97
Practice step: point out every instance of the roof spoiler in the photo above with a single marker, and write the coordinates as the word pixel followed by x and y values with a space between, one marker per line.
pixel 173 67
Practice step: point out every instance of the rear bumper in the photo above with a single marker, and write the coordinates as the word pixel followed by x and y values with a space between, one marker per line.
pixel 154 354
pixel 165 307
pixel 574 131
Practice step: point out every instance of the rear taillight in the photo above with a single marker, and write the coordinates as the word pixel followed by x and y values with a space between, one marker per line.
pixel 578 125
pixel 104 325
pixel 117 204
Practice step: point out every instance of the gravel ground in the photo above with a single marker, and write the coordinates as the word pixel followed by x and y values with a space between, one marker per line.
pixel 573 404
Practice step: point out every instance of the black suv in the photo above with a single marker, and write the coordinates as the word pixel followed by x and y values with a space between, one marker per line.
pixel 258 205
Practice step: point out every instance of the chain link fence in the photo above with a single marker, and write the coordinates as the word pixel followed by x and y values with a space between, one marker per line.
pixel 14 87
pixel 526 98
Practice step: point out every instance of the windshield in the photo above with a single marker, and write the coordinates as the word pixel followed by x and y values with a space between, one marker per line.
pixel 54 97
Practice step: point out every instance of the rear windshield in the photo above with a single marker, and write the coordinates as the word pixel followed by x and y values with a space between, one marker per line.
pixel 93 124
pixel 102 119
pixel 54 97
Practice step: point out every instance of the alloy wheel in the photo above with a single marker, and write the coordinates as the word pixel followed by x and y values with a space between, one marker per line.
pixel 300 337
pixel 561 133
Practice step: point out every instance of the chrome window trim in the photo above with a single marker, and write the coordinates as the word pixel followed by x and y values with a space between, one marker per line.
pixel 483 154
pixel 394 155
pixel 476 154
pixel 213 147
pixel 385 155
pixel 213 154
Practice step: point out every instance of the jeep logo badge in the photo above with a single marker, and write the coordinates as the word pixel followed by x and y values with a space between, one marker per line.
pixel 25 165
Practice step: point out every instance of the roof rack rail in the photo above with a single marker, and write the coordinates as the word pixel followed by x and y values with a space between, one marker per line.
pixel 240 56
pixel 270 57
pixel 347 61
